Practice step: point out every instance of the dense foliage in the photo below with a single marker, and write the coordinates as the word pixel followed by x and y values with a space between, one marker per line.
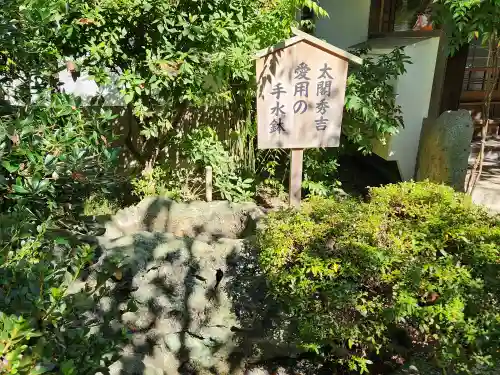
pixel 412 271
pixel 371 110
pixel 171 60
pixel 52 156
pixel 198 150
pixel 168 57
pixel 53 153
pixel 466 20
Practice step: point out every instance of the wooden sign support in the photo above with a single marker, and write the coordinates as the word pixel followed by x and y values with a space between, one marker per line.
pixel 300 99
pixel 208 184
pixel 296 177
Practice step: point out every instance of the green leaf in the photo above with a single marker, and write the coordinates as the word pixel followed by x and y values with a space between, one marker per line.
pixel 68 278
pixel 31 157
pixel 41 369
pixel 61 241
pixel 55 292
pixel 49 159
pixel 8 324
pixel 20 189
pixel 43 185
pixel 11 168
pixel 128 98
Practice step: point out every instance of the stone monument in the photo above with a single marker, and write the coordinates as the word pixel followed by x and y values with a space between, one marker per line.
pixel 445 148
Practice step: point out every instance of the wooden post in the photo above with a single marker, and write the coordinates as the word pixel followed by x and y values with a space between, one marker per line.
pixel 208 183
pixel 381 17
pixel 296 177
pixel 290 115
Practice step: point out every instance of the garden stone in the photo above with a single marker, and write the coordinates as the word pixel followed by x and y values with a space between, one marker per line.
pixel 106 304
pixel 153 371
pixel 265 371
pixel 445 149
pixel 208 219
pixel 139 320
pixel 183 316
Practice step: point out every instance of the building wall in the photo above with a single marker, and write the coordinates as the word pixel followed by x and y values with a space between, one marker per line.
pixel 413 91
pixel 413 94
pixel 86 88
pixel 348 22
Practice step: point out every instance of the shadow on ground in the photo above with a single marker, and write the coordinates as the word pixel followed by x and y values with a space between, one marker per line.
pixel 188 305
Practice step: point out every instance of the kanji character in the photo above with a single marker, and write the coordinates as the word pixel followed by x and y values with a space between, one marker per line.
pixel 324 72
pixel 277 111
pixel 302 89
pixel 324 88
pixel 276 126
pixel 278 90
pixel 301 71
pixel 300 106
pixel 322 107
pixel 321 123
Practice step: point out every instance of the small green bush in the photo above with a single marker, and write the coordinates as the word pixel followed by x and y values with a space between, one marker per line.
pixel 185 179
pixel 415 269
pixel 98 205
pixel 55 154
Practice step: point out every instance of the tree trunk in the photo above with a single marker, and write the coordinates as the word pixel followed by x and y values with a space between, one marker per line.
pixel 453 81
pixel 493 55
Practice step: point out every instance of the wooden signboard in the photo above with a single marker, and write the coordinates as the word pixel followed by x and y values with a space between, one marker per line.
pixel 300 98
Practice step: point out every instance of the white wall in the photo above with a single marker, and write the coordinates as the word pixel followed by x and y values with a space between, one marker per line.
pixel 413 90
pixel 348 22
pixel 86 88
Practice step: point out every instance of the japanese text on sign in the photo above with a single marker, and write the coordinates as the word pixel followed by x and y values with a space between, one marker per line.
pixel 323 90
pixel 301 88
pixel 302 82
pixel 277 111
pixel 301 91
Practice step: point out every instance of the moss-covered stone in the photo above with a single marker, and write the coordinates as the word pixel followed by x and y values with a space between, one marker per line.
pixel 445 149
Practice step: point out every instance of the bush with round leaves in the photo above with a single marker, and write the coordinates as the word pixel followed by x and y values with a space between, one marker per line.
pixel 412 271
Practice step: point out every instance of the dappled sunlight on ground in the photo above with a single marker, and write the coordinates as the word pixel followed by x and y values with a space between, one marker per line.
pixel 487 191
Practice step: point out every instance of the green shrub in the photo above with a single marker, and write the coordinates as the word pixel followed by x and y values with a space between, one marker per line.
pixel 55 154
pixel 98 205
pixel 43 329
pixel 176 186
pixel 185 179
pixel 52 155
pixel 204 149
pixel 413 269
pixel 320 172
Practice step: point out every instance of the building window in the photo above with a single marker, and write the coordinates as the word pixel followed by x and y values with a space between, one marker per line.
pixel 477 70
pixel 478 55
pixel 382 16
pixel 396 15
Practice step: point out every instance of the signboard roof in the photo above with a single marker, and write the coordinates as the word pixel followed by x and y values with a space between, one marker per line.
pixel 302 36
